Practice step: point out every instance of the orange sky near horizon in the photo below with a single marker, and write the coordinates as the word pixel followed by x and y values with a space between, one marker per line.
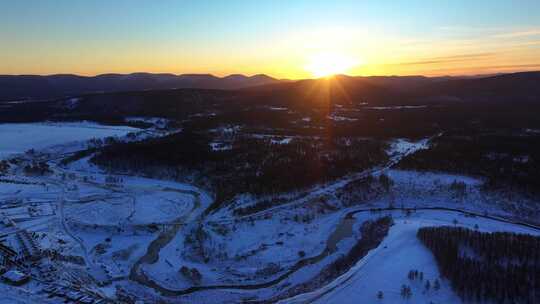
pixel 277 38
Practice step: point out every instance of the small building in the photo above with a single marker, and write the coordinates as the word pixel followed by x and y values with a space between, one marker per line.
pixel 74 295
pixel 49 289
pixel 15 277
pixel 86 300
pixel 100 275
pixel 6 254
pixel 6 222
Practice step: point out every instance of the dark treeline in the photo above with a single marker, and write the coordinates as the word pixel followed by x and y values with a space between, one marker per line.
pixel 505 160
pixel 372 233
pixel 251 165
pixel 505 102
pixel 501 267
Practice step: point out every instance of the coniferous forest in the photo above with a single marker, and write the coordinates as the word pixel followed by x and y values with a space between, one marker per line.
pixel 499 267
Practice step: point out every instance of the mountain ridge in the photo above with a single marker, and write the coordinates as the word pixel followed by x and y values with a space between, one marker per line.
pixel 32 87
pixel 36 87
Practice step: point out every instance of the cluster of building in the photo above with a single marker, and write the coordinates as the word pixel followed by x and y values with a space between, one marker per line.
pixel 13 258
pixel 21 256
pixel 70 295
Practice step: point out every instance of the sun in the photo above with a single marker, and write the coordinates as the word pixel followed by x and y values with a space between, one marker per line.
pixel 329 64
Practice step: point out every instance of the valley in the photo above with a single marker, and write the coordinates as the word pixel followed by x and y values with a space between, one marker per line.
pixel 211 206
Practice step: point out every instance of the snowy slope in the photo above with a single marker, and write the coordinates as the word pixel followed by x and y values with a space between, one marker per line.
pixel 18 138
pixel 386 267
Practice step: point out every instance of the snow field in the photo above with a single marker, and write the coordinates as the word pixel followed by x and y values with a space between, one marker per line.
pixel 20 137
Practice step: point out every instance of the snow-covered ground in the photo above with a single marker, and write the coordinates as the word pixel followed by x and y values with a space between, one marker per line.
pixel 385 268
pixel 142 231
pixel 20 137
pixel 402 146
pixel 396 107
pixel 132 203
pixel 155 121
pixel 336 117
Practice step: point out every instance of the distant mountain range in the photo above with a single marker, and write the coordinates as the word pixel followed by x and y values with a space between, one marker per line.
pixel 524 86
pixel 400 90
pixel 115 96
pixel 31 87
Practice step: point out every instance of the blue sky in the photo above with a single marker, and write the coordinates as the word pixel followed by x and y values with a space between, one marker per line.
pixel 275 37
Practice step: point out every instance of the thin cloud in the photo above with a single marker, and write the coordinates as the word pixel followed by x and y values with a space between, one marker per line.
pixel 448 59
pixel 530 43
pixel 469 29
pixel 519 34
pixel 483 69
pixel 512 66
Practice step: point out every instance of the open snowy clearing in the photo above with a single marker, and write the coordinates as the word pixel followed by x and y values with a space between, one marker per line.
pixel 20 137
pixel 146 208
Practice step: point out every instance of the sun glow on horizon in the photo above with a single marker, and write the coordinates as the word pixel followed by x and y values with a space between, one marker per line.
pixel 329 64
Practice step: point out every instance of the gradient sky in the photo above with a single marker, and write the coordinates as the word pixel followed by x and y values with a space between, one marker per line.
pixel 431 37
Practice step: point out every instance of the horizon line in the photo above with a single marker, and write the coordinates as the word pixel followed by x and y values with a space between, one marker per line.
pixel 267 75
